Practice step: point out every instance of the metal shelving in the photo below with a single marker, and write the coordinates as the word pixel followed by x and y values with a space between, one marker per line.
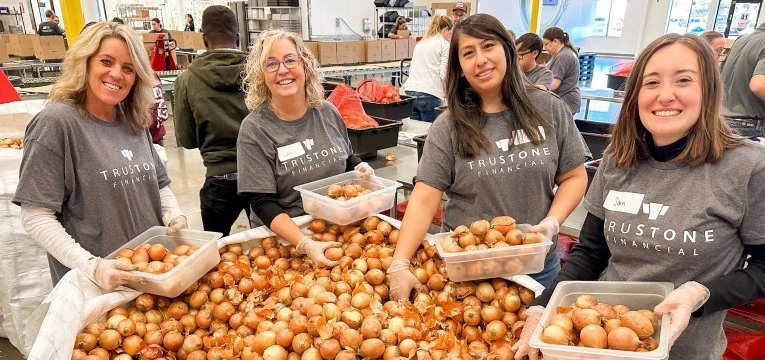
pixel 139 16
pixel 263 18
pixel 418 17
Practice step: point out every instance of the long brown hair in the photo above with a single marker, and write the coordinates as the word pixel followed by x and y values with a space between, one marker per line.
pixel 708 138
pixel 465 103
pixel 554 33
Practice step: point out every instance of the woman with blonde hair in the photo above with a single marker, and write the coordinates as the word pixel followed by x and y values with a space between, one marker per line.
pixel 90 179
pixel 291 137
pixel 677 198
pixel 428 69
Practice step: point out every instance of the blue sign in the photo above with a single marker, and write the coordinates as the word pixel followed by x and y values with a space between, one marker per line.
pixel 549 2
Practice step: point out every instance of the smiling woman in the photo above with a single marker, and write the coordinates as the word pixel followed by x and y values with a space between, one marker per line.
pixel 90 179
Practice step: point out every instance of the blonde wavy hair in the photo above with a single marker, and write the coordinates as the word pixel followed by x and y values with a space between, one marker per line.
pixel 255 78
pixel 72 84
pixel 438 23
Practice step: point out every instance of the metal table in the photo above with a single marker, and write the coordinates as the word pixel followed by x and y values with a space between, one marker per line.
pixel 40 67
pixel 589 94
pixel 14 66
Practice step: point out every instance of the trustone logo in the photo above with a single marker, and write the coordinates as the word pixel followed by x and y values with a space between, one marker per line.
pixel 632 203
pixel 308 143
pixel 654 210
pixel 519 137
pixel 128 154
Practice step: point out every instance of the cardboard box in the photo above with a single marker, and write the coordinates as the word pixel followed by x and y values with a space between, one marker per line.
pixel 5 38
pixel 198 41
pixel 403 33
pixel 49 47
pixel 373 50
pixel 345 52
pixel 149 40
pixel 3 52
pixel 359 50
pixel 412 44
pixel 388 50
pixel 21 44
pixel 402 49
pixel 327 53
pixel 313 47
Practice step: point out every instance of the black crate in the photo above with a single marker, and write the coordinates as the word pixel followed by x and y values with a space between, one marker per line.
pixel 596 135
pixel 616 82
pixel 395 111
pixel 591 167
pixel 366 142
pixel 420 140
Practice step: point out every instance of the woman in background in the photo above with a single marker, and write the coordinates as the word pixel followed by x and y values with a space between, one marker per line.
pixel 717 42
pixel 428 69
pixel 564 66
pixel 400 26
pixel 189 23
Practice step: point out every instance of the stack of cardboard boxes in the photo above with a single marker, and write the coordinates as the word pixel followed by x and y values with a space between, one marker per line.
pixel 4 48
pixel 49 47
pixel 21 45
pixel 356 52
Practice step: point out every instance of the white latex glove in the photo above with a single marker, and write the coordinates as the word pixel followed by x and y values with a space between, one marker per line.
pixel 365 169
pixel 315 250
pixel 178 223
pixel 109 274
pixel 680 303
pixel 522 348
pixel 548 227
pixel 402 281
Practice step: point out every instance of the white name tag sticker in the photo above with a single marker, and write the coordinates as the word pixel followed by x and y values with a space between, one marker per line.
pixel 625 202
pixel 291 151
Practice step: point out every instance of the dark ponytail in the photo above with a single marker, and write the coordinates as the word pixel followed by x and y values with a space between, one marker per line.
pixel 554 33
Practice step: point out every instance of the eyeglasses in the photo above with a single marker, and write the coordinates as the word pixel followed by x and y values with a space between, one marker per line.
pixel 289 61
pixel 521 55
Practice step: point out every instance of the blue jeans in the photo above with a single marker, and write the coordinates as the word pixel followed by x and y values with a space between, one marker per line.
pixel 424 106
pixel 548 274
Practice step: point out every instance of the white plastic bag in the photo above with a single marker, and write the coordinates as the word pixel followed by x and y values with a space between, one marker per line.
pixel 24 273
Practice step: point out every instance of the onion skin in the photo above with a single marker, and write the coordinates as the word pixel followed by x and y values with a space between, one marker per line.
pixel 555 335
pixel 623 338
pixel 638 323
pixel 594 336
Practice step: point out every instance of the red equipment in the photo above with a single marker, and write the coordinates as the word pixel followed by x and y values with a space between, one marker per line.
pixel 162 59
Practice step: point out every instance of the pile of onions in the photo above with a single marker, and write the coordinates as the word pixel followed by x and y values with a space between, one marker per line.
pixel 155 258
pixel 593 324
pixel 268 302
pixel 482 234
pixel 347 191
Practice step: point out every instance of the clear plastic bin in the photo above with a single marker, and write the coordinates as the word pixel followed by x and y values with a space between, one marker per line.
pixel 636 295
pixel 494 262
pixel 317 203
pixel 175 281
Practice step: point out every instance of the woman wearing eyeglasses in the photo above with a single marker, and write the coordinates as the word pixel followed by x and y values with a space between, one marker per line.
pixel 291 137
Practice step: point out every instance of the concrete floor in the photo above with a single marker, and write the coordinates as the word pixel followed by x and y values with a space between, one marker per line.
pixel 187 172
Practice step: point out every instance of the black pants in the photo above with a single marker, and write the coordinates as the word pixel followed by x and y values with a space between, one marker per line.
pixel 221 204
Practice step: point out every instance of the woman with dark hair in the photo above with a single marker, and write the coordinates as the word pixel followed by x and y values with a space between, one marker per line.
pixel 400 25
pixel 564 66
pixel 529 46
pixel 500 149
pixel 157 28
pixel 671 149
pixel 717 41
pixel 189 23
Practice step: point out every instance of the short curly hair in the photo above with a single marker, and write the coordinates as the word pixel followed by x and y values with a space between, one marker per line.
pixel 255 82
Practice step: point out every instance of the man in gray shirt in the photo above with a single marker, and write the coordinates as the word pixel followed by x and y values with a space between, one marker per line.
pixel 529 47
pixel 743 74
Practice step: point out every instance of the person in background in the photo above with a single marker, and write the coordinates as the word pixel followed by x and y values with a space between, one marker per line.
pixel 428 69
pixel 529 46
pixel 90 178
pixel 291 137
pixel 118 20
pixel 189 23
pixel 400 25
pixel 49 26
pixel 717 41
pixel 743 74
pixel 472 152
pixel 671 147
pixel 564 66
pixel 209 109
pixel 159 113
pixel 156 28
pixel 459 12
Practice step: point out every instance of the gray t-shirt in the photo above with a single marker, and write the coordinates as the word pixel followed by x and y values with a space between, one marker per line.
pixel 671 222
pixel 100 178
pixel 274 156
pixel 746 59
pixel 540 75
pixel 513 178
pixel 565 66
